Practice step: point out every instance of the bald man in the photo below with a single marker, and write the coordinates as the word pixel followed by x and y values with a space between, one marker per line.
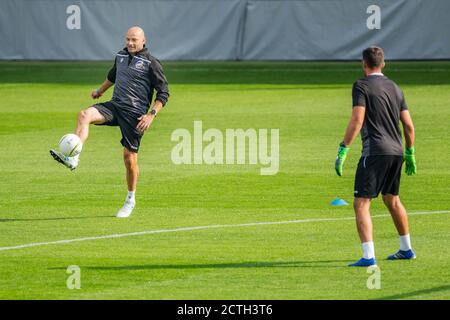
pixel 136 74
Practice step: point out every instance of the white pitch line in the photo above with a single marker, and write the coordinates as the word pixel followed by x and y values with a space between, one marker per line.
pixel 217 226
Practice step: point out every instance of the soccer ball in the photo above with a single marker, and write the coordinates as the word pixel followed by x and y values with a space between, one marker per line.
pixel 70 145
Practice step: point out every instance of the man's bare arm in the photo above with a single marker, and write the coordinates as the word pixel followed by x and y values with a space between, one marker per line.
pixel 354 125
pixel 408 128
pixel 97 93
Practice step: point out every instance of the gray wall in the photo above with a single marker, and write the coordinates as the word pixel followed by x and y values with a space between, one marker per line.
pixel 225 29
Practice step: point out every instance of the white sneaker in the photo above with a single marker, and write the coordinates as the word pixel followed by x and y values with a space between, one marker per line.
pixel 69 162
pixel 126 210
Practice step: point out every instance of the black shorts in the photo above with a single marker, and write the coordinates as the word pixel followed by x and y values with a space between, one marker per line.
pixel 377 174
pixel 127 121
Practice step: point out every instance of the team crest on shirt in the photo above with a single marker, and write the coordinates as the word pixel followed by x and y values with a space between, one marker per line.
pixel 140 65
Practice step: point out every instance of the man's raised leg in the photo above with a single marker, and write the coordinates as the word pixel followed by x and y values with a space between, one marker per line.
pixel 85 118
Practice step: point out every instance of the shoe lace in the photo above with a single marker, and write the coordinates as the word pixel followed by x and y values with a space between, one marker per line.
pixel 128 205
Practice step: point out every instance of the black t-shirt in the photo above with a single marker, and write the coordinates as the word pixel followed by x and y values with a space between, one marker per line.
pixel 383 100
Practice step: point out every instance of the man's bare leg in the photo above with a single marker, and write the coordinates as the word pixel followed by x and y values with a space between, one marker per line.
pixel 365 231
pixel 400 218
pixel 132 173
pixel 86 117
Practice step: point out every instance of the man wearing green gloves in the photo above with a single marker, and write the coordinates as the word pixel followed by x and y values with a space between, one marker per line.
pixel 378 107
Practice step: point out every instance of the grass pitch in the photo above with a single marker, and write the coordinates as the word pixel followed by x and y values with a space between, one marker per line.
pixel 310 103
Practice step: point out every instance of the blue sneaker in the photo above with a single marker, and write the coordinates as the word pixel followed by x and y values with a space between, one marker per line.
pixel 402 255
pixel 364 263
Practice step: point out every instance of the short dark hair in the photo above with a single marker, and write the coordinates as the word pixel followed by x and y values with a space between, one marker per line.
pixel 373 57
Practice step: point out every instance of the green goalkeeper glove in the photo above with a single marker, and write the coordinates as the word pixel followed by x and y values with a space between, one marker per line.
pixel 341 155
pixel 410 161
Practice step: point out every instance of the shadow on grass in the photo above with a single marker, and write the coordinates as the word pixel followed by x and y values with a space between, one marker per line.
pixel 53 219
pixel 249 264
pixel 416 293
